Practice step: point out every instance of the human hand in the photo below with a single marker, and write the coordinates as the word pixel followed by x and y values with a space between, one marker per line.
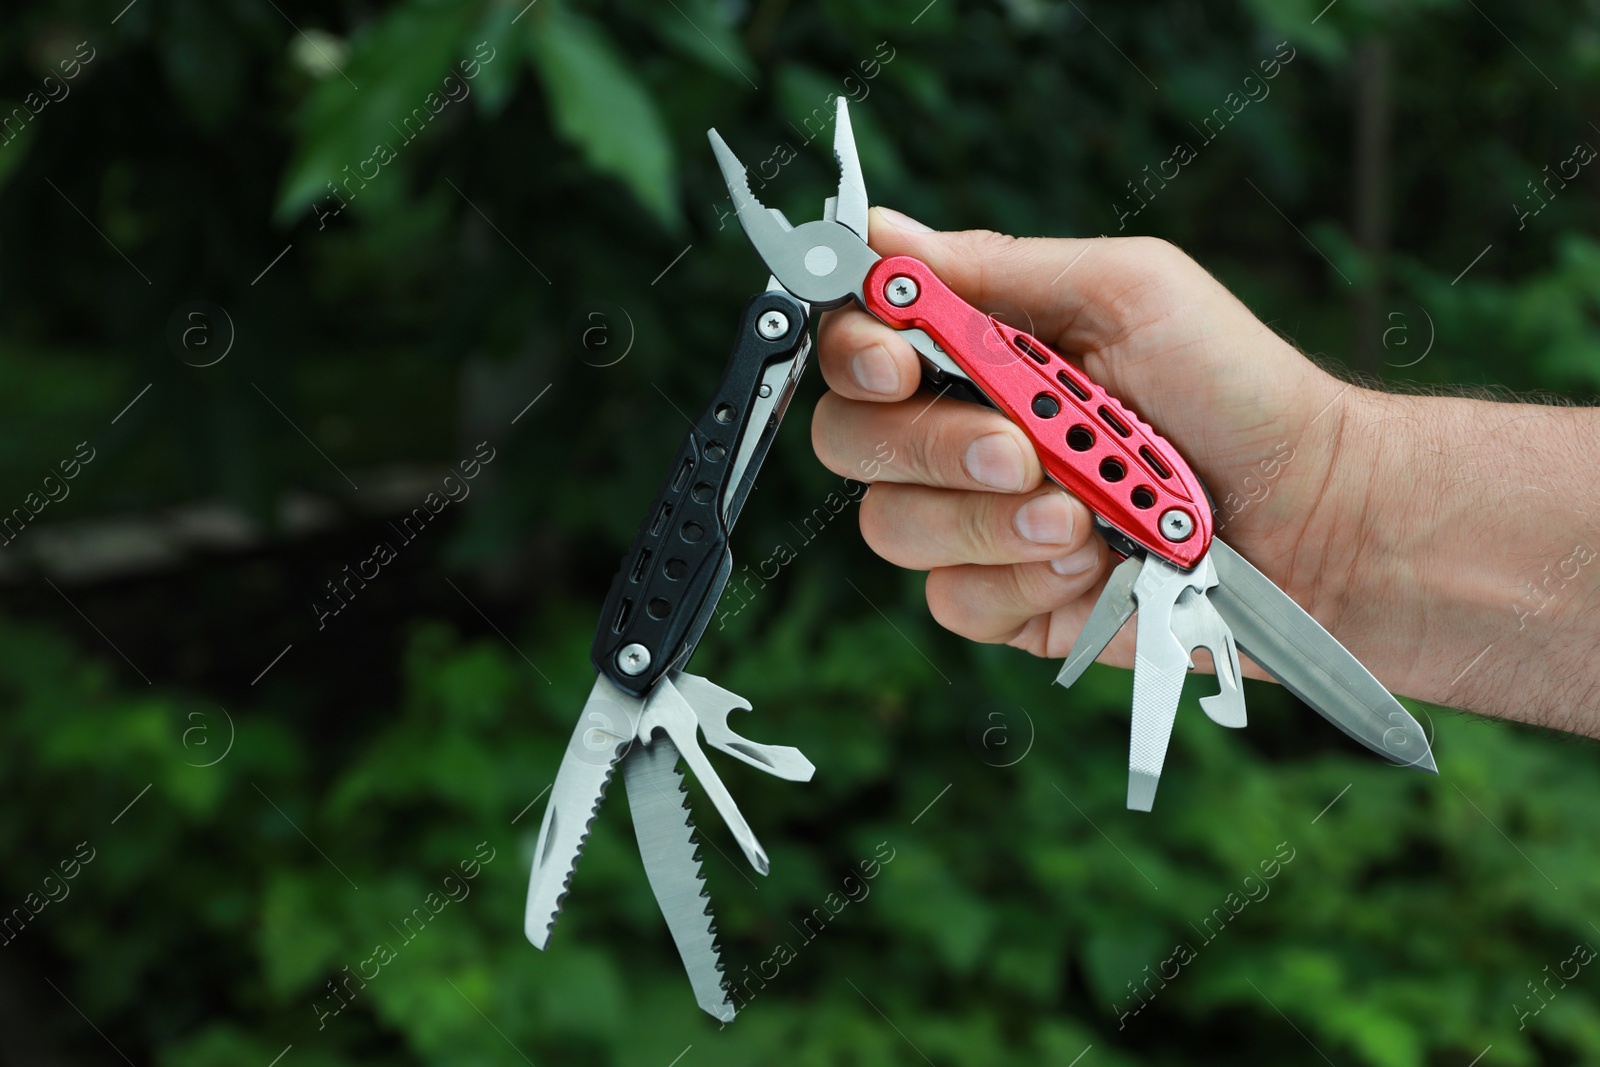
pixel 1012 558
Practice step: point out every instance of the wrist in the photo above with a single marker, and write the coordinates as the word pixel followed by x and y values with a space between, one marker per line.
pixel 1367 565
pixel 1469 554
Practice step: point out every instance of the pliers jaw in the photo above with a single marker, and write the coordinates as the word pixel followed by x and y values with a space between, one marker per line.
pixel 822 262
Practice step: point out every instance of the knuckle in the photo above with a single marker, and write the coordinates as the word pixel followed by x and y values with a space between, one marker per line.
pixel 828 330
pixel 1157 256
pixel 849 329
pixel 1145 269
pixel 989 242
pixel 838 334
pixel 861 330
pixel 1014 588
pixel 1037 588
pixel 986 247
pixel 1157 249
pixel 827 421
pixel 873 518
pixel 924 456
pixel 976 524
pixel 946 605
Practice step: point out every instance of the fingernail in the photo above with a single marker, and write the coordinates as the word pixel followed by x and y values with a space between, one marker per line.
pixel 996 461
pixel 1046 520
pixel 874 371
pixel 1076 563
pixel 901 221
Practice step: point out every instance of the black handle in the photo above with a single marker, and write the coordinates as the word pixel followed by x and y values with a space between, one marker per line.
pixel 679 558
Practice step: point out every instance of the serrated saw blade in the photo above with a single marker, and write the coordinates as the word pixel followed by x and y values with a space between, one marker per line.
pixel 665 828
pixel 605 731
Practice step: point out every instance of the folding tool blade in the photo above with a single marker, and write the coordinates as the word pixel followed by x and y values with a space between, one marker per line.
pixel 1175 626
pixel 1196 624
pixel 1161 662
pixel 667 845
pixel 1294 648
pixel 711 704
pixel 606 729
pixel 1111 612
pixel 668 711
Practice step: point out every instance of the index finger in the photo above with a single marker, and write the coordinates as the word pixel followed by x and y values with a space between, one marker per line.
pixel 863 359
pixel 1076 308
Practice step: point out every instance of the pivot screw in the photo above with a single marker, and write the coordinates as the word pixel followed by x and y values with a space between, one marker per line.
pixel 1176 525
pixel 901 290
pixel 633 659
pixel 773 325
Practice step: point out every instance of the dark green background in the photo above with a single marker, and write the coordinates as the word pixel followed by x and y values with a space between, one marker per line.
pixel 425 717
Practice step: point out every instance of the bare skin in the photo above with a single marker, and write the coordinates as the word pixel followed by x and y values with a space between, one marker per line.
pixel 1421 531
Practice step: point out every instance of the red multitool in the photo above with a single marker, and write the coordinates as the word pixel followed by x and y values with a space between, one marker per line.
pixel 1190 589
pixel 1127 473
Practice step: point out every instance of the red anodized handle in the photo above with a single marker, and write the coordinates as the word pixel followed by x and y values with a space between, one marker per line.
pixel 1094 447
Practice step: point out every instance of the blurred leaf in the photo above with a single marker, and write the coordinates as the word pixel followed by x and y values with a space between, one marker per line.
pixel 601 106
pixel 700 29
pixel 388 96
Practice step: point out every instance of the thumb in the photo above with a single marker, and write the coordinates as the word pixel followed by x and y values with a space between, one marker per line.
pixel 886 222
pixel 1058 281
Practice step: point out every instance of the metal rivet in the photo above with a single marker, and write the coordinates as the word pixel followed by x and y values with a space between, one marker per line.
pixel 1176 525
pixel 633 659
pixel 901 290
pixel 821 260
pixel 765 391
pixel 773 325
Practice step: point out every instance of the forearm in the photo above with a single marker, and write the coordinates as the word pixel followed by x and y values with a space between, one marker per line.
pixel 1479 553
pixel 1451 545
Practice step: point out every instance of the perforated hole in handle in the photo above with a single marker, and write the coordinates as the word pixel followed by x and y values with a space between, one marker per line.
pixel 1072 387
pixel 1155 463
pixel 1115 423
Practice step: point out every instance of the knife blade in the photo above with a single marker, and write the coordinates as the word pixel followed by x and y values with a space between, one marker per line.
pixel 664 826
pixel 1111 612
pixel 1290 645
pixel 605 730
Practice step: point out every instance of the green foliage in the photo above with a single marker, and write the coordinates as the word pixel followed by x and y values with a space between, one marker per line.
pixel 600 106
pixel 392 69
pixel 1025 911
